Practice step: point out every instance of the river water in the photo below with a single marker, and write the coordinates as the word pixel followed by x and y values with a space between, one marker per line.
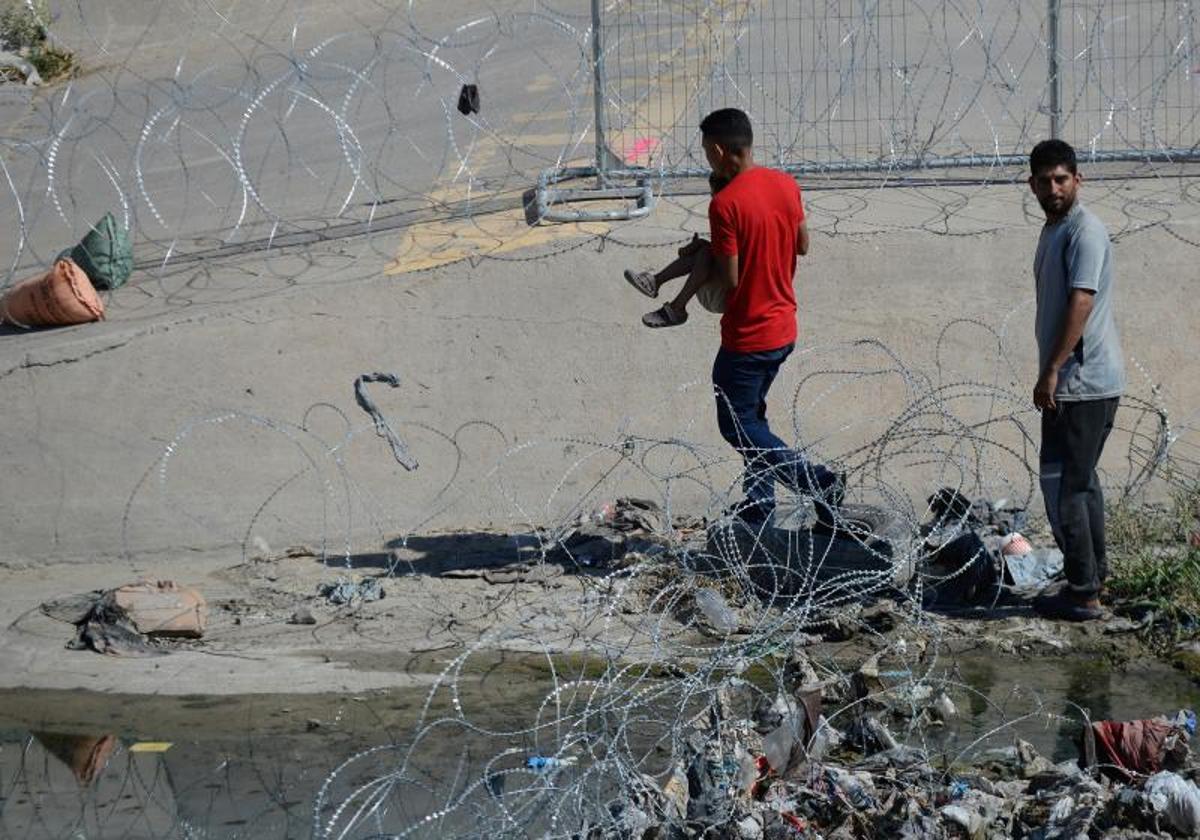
pixel 81 765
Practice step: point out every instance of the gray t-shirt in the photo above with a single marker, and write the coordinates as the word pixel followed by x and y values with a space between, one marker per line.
pixel 1075 253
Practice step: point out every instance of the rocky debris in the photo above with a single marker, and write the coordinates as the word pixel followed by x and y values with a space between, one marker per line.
pixel 343 592
pixel 302 615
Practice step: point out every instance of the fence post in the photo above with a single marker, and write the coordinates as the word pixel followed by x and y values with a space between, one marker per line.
pixel 600 123
pixel 1052 67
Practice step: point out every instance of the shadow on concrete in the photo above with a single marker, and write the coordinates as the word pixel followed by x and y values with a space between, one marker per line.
pixel 439 554
pixel 13 329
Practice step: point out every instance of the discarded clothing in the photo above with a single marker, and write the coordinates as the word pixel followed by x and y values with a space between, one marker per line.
pixel 629 515
pixel 949 505
pixel 1035 569
pixel 614 530
pixel 382 428
pixel 100 625
pixel 468 100
pixel 1122 748
pixel 961 572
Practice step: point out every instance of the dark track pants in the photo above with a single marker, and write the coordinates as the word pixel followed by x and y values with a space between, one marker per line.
pixel 1073 436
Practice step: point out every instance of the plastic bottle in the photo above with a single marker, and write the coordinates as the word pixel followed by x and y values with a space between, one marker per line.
pixel 546 763
pixel 716 611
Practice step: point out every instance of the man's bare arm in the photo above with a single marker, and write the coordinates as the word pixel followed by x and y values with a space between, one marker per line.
pixel 1079 307
pixel 726 270
pixel 802 239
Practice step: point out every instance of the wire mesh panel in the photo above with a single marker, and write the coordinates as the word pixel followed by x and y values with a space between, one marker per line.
pixel 1130 74
pixel 897 82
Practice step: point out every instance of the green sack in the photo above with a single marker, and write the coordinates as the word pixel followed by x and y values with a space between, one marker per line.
pixel 105 254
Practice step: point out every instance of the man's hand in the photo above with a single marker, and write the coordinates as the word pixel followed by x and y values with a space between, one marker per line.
pixel 1079 309
pixel 802 239
pixel 1043 391
pixel 697 243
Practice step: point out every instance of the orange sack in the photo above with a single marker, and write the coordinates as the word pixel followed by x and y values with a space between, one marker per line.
pixel 63 295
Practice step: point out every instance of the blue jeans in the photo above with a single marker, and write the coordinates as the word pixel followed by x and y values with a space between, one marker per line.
pixel 741 381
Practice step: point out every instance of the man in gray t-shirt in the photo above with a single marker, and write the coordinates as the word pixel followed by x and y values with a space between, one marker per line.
pixel 1081 375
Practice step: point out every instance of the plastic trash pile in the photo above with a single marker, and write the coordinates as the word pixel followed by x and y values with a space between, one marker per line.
pixel 761 767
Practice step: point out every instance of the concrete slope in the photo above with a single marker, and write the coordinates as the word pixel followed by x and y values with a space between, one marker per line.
pixel 241 371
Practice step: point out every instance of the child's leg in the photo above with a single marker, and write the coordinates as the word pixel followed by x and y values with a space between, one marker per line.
pixel 701 271
pixel 678 267
pixel 649 283
pixel 674 313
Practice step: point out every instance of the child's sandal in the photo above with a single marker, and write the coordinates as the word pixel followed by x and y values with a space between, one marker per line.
pixel 664 316
pixel 643 281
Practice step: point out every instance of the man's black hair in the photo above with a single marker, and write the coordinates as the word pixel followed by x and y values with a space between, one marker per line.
pixel 730 127
pixel 1051 153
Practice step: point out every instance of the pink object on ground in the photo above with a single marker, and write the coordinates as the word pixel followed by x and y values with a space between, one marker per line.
pixel 642 148
pixel 1015 545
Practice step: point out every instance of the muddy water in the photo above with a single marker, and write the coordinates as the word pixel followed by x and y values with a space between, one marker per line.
pixel 80 765
pixel 1044 700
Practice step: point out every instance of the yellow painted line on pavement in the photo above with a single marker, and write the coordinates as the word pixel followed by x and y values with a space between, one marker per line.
pixel 443 241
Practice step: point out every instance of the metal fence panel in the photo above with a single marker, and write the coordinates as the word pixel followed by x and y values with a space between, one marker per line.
pixel 865 83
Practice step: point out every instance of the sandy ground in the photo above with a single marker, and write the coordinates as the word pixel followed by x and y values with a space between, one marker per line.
pixel 452 619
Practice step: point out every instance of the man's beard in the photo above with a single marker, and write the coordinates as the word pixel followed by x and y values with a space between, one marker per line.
pixel 1052 209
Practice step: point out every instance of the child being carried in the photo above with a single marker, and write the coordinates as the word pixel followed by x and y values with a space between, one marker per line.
pixel 695 263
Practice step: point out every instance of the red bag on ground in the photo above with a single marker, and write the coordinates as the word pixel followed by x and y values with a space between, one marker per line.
pixel 62 296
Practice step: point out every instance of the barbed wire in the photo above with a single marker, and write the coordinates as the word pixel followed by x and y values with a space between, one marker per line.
pixel 633 663
pixel 262 130
pixel 214 133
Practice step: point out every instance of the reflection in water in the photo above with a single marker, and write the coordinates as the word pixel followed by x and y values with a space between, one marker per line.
pixel 980 675
pixel 65 786
pixel 1088 697
pixel 86 755
pixel 252 767
pixel 1051 697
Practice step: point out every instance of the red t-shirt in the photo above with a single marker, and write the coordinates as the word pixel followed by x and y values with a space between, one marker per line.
pixel 756 217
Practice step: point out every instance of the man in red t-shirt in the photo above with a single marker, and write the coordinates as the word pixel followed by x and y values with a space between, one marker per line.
pixel 757 228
